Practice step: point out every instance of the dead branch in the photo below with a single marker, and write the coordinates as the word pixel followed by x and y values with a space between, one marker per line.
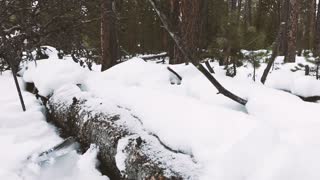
pixel 275 50
pixel 176 38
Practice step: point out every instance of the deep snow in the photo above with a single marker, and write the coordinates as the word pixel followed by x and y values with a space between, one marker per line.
pixel 274 137
pixel 24 135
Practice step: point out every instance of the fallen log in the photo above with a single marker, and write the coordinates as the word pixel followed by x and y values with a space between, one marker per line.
pixel 157 56
pixel 127 150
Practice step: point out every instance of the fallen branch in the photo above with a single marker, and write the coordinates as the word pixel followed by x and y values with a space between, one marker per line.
pixel 209 67
pixel 175 73
pixel 220 88
pixel 275 50
pixel 158 56
pixel 176 38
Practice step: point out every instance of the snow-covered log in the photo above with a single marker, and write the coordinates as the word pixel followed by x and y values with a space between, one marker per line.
pixel 127 150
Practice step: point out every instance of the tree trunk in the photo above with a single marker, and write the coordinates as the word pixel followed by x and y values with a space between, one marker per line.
pixel 176 55
pixel 239 10
pixel 312 25
pixel 284 19
pixel 190 28
pixel 317 38
pixel 126 149
pixel 248 14
pixel 109 39
pixel 292 30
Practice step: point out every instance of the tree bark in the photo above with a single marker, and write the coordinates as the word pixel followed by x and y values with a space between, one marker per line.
pixel 126 149
pixel 317 38
pixel 312 25
pixel 248 13
pixel 284 14
pixel 292 30
pixel 109 39
pixel 190 29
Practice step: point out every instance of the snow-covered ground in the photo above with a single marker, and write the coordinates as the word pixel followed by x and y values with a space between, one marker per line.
pixel 23 135
pixel 274 137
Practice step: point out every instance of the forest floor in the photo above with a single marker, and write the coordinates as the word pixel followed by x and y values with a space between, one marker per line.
pixel 24 135
pixel 274 137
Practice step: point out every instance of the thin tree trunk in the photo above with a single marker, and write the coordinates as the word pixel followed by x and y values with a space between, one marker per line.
pixel 109 39
pixel 239 10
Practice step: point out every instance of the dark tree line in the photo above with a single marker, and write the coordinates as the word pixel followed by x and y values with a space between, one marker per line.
pixel 222 27
pixel 107 31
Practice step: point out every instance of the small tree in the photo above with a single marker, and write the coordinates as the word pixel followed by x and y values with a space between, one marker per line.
pixel 254 59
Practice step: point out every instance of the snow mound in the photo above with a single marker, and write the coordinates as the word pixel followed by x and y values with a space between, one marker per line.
pixel 51 74
pixel 23 134
pixel 274 137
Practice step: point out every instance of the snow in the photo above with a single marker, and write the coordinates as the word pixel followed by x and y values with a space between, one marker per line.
pixel 274 137
pixel 24 135
pixel 48 76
